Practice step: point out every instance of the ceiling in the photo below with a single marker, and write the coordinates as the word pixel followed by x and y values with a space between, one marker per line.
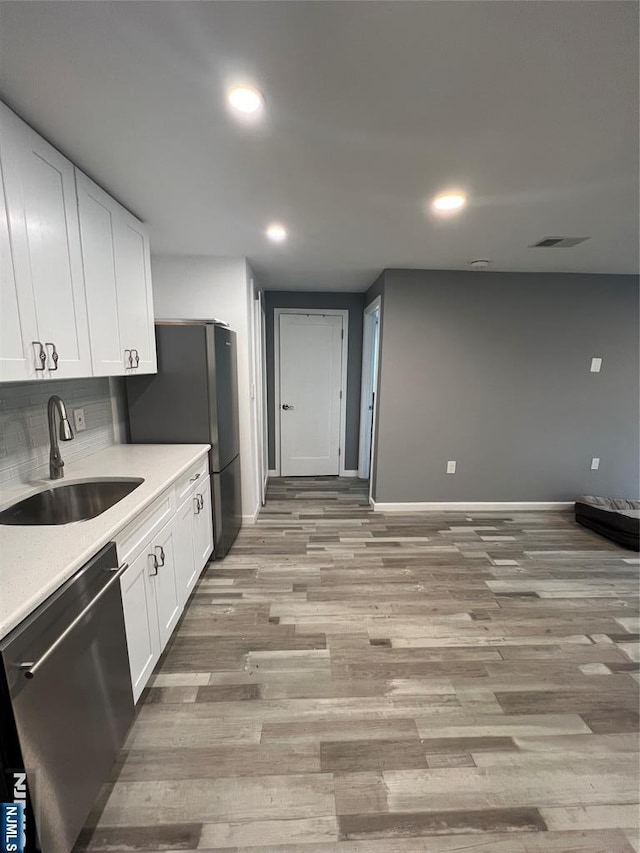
pixel 371 110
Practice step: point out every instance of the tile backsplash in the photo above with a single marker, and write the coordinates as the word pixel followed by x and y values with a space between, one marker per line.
pixel 24 433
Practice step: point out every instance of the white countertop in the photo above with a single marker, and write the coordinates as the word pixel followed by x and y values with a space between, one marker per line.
pixel 37 560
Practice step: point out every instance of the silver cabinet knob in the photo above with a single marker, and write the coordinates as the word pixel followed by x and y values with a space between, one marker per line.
pixel 286 407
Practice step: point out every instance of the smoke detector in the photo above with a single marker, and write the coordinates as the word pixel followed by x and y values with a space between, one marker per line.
pixel 558 242
pixel 480 264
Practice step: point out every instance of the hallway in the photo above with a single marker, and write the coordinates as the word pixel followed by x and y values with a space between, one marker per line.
pixel 353 681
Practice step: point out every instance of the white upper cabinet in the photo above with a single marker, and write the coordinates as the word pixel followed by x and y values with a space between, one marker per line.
pixel 96 212
pixel 75 269
pixel 40 198
pixel 135 303
pixel 18 325
pixel 117 272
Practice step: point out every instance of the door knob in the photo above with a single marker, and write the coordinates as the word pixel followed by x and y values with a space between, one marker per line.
pixel 286 407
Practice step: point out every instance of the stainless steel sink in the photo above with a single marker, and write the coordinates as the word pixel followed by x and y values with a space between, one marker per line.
pixel 71 502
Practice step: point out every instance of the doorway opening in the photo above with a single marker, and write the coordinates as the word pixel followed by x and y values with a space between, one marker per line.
pixel 310 366
pixel 370 361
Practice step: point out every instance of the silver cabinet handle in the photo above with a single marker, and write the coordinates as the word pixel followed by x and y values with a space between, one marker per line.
pixel 30 668
pixel 286 407
pixel 197 503
pixel 136 356
pixel 200 501
pixel 193 479
pixel 156 565
pixel 41 356
pixel 162 555
pixel 127 357
pixel 54 354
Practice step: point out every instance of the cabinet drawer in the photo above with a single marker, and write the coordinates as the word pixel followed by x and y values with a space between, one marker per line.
pixel 190 479
pixel 136 535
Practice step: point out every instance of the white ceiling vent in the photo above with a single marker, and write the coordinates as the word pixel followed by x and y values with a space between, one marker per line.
pixel 558 242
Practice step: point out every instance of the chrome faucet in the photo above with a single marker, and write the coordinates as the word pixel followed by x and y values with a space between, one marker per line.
pixel 56 464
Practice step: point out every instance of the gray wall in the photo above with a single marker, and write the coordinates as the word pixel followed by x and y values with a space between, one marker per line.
pixel 354 303
pixel 492 370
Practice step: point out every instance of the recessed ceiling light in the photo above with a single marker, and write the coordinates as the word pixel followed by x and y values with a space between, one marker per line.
pixel 449 202
pixel 276 233
pixel 246 100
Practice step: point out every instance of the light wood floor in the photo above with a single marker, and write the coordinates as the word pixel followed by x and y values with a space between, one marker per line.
pixel 351 682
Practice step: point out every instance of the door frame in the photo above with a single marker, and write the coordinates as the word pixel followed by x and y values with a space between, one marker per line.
pixel 367 361
pixel 322 312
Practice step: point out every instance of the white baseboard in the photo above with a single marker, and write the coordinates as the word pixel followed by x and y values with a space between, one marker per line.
pixel 470 506
pixel 349 473
pixel 251 518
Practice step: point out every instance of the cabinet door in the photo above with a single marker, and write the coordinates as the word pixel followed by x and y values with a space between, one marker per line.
pixel 97 212
pixel 185 552
pixel 40 191
pixel 17 314
pixel 141 621
pixel 168 602
pixel 202 525
pixel 135 301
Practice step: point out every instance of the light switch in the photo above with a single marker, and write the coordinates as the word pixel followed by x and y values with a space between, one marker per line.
pixel 595 463
pixel 451 466
pixel 596 364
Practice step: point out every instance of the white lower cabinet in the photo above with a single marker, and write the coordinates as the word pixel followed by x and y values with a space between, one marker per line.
pixel 141 621
pixel 168 603
pixel 164 567
pixel 186 570
pixel 194 537
pixel 202 524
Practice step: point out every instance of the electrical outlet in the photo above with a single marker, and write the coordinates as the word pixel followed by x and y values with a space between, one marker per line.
pixel 595 463
pixel 78 420
pixel 596 365
pixel 451 466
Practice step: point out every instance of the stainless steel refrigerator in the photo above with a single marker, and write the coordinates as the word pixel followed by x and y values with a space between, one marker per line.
pixel 193 399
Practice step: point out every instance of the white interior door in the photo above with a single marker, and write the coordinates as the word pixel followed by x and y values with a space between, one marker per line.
pixel 370 349
pixel 310 393
pixel 259 367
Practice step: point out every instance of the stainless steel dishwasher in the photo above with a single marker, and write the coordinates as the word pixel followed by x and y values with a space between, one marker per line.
pixel 67 701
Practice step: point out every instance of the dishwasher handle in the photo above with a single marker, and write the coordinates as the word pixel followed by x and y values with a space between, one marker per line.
pixel 29 668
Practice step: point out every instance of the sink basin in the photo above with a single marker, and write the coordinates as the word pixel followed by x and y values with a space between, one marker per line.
pixel 70 502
